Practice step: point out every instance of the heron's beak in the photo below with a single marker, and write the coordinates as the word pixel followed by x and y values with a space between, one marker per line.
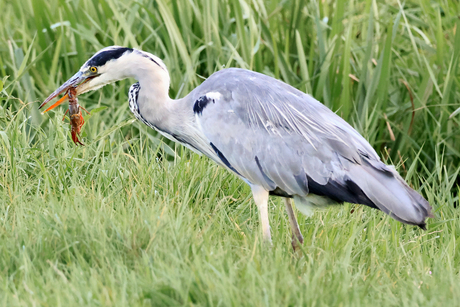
pixel 78 78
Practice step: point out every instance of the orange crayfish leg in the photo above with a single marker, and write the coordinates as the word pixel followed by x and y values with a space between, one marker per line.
pixel 85 110
pixel 65 114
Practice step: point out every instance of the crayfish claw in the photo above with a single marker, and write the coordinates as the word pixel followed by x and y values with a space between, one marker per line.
pixel 75 139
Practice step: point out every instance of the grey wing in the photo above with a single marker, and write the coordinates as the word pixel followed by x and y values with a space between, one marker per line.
pixel 272 134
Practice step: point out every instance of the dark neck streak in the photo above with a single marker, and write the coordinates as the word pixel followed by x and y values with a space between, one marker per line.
pixel 134 107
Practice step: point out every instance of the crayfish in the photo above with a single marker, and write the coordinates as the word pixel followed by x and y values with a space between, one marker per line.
pixel 75 115
pixel 74 110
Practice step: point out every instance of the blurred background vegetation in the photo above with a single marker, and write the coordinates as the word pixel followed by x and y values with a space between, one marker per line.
pixel 112 223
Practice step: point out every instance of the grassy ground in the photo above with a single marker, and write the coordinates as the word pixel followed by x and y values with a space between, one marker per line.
pixel 132 220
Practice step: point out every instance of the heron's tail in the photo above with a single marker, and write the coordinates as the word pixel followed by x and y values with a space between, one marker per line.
pixel 388 191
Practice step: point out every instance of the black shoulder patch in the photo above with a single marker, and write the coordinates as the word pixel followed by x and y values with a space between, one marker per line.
pixel 223 159
pixel 201 103
pixel 103 57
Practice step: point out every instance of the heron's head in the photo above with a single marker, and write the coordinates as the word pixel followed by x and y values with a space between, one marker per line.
pixel 107 66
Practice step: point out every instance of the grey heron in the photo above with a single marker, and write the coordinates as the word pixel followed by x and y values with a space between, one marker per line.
pixel 277 139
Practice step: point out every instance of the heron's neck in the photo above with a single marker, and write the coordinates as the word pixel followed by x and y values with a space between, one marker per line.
pixel 153 99
pixel 173 118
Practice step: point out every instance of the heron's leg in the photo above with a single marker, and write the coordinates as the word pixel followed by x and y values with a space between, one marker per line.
pixel 297 237
pixel 261 199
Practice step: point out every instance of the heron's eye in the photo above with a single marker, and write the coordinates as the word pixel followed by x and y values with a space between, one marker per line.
pixel 93 69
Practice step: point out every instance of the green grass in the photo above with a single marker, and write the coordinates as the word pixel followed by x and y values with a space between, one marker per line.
pixel 134 220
